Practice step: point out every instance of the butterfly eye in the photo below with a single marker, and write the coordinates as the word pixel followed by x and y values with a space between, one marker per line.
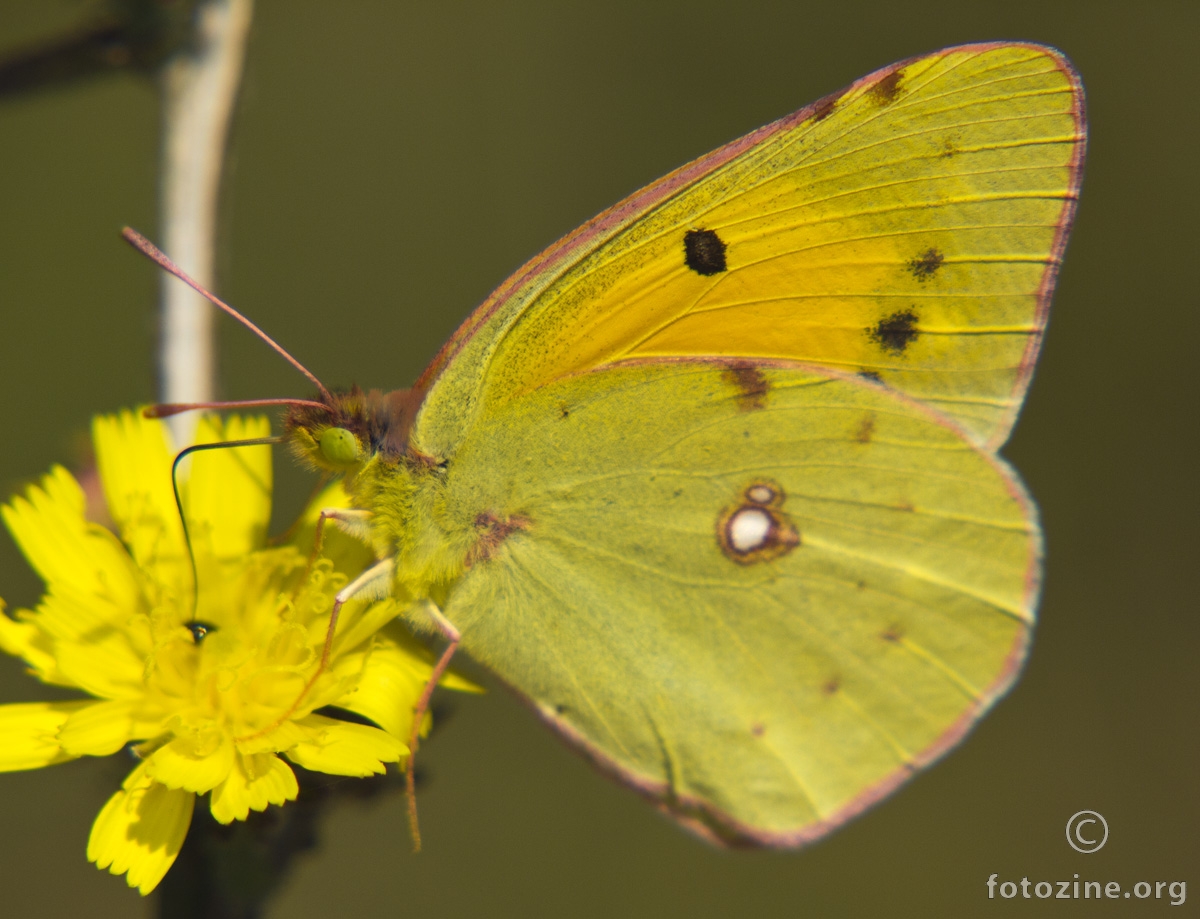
pixel 339 446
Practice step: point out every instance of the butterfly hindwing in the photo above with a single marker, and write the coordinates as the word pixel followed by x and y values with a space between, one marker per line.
pixel 762 594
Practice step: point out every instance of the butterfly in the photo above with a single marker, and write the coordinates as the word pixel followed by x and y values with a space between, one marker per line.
pixel 712 482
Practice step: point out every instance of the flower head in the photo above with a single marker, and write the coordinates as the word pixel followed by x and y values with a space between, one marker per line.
pixel 203 675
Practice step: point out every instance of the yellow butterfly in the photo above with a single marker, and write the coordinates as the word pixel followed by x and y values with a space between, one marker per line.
pixel 712 482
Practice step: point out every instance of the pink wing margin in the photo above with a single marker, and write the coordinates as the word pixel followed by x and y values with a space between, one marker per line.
pixel 1066 221
pixel 571 247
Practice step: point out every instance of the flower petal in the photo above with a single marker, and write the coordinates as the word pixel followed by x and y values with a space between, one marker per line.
pixel 398 633
pixel 389 687
pixel 227 496
pixel 140 831
pixel 133 455
pixel 286 735
pixel 21 638
pixel 255 781
pixel 49 526
pixel 359 621
pixel 104 665
pixel 342 748
pixel 393 677
pixel 73 612
pixel 98 729
pixel 192 764
pixel 29 733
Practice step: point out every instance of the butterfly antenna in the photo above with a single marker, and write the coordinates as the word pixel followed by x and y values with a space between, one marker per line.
pixel 187 539
pixel 151 251
pixel 167 409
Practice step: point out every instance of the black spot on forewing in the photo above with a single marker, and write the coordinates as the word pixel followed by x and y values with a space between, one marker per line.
pixel 752 387
pixel 870 375
pixel 896 332
pixel 926 265
pixel 886 90
pixel 704 252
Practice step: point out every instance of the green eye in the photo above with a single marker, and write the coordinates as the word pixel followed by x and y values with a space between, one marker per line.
pixel 339 446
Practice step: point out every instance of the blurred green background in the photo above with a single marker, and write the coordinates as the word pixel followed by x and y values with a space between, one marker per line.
pixel 390 164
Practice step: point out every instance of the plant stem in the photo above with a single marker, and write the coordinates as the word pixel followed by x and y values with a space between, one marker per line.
pixel 199 87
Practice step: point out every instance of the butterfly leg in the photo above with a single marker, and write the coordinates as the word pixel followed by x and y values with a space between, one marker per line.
pixel 446 628
pixel 353 521
pixel 372 584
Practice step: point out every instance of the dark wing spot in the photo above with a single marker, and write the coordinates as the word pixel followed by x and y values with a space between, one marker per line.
pixel 894 633
pixel 896 332
pixel 752 387
pixel 560 709
pixel 564 410
pixel 491 532
pixel 824 108
pixel 199 629
pixel 926 265
pixel 870 375
pixel 758 729
pixel 704 252
pixel 756 528
pixel 886 90
pixel 832 685
pixel 866 429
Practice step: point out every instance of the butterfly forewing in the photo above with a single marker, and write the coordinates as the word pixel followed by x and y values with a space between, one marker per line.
pixel 908 229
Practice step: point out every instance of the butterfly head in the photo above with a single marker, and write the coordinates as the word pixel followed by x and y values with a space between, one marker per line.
pixel 350 429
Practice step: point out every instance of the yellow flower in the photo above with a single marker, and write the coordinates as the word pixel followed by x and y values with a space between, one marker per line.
pixel 208 682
